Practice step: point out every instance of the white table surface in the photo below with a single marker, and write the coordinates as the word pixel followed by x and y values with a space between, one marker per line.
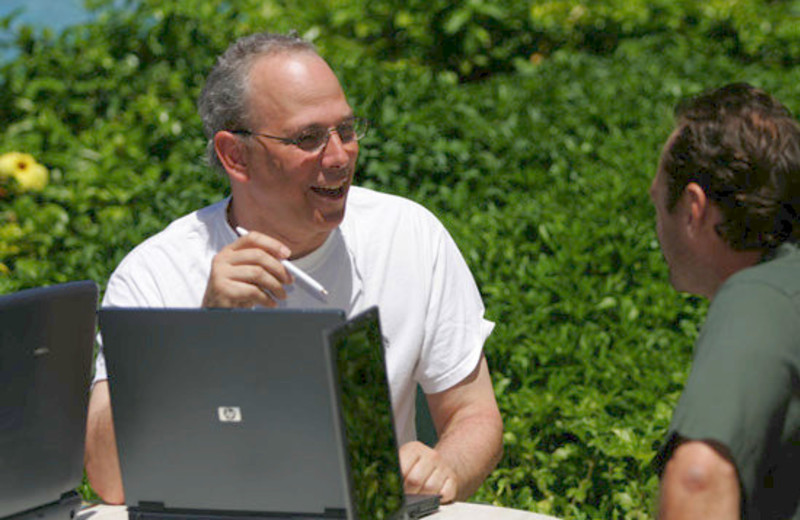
pixel 470 511
pixel 459 510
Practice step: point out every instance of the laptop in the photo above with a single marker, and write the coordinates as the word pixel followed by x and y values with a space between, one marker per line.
pixel 365 425
pixel 46 343
pixel 223 412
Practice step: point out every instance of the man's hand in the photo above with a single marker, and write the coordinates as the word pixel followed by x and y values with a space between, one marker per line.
pixel 426 472
pixel 248 272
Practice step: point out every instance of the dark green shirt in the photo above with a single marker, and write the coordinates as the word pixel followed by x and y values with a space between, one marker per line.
pixel 744 387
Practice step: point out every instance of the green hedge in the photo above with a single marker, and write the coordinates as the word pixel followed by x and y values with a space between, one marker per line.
pixel 540 171
pixel 476 38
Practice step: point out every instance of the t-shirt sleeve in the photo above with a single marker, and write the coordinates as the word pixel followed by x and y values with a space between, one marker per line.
pixel 740 382
pixel 123 291
pixel 455 327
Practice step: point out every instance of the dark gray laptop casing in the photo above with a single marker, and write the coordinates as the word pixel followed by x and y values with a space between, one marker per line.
pixel 46 342
pixel 224 410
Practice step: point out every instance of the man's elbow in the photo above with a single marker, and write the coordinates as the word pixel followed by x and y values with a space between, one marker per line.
pixel 697 467
pixel 103 475
pixel 108 493
pixel 491 441
pixel 497 441
pixel 699 480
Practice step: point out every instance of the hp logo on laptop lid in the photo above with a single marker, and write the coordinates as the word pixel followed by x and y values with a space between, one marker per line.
pixel 229 414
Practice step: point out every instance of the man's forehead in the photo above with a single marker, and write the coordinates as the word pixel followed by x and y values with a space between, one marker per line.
pixel 666 148
pixel 671 139
pixel 293 86
pixel 658 184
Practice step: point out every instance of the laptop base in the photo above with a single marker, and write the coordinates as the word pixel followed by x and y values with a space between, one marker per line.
pixel 64 509
pixel 159 513
pixel 417 506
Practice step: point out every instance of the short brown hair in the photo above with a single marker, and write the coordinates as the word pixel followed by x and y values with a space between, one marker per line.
pixel 742 147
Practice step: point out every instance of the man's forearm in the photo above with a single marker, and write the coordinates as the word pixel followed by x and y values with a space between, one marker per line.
pixel 472 446
pixel 470 429
pixel 101 458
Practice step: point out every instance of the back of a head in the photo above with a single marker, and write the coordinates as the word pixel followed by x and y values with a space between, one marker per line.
pixel 223 101
pixel 742 146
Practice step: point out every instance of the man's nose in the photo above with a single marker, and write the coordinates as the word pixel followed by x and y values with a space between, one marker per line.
pixel 334 153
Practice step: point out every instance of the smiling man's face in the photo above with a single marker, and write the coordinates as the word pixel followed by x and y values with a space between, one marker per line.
pixel 299 195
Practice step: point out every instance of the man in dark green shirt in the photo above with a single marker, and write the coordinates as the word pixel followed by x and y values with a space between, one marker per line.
pixel 727 198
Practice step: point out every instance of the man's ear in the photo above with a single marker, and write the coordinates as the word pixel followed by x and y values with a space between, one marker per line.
pixel 232 154
pixel 698 214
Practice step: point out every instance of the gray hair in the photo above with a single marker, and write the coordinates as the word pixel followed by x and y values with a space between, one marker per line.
pixel 223 101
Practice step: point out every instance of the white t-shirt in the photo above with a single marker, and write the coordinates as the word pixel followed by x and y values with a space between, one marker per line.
pixel 388 251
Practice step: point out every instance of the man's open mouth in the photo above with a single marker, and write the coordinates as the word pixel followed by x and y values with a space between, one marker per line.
pixel 333 193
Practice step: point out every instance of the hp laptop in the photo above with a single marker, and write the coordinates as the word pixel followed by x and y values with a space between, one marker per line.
pixel 46 342
pixel 365 425
pixel 223 413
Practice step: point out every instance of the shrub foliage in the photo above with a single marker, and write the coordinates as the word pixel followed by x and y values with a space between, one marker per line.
pixel 540 170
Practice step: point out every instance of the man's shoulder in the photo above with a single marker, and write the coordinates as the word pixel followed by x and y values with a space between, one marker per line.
pixel 779 275
pixel 366 206
pixel 757 311
pixel 368 199
pixel 195 227
pixel 169 268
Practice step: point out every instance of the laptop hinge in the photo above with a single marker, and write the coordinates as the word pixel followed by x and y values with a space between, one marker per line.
pixel 66 507
pixel 151 506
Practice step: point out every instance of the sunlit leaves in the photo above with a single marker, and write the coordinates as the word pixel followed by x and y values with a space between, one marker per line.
pixel 540 171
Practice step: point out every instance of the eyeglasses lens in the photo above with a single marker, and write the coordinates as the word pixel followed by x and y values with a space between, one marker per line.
pixel 348 131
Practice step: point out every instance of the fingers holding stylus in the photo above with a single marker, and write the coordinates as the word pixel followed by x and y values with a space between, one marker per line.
pixel 311 285
pixel 248 272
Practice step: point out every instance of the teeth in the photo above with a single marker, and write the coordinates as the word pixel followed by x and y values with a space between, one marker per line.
pixel 329 191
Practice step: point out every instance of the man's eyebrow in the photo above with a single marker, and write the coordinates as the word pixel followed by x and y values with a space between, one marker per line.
pixel 320 126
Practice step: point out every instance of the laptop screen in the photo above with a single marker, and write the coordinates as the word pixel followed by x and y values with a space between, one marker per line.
pixel 367 421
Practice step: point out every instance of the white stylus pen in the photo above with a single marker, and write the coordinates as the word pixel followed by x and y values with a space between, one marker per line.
pixel 296 271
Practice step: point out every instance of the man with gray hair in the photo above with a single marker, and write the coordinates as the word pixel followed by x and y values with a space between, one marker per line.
pixel 280 128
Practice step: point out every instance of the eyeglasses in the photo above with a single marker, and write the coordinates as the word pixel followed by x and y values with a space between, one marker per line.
pixel 315 139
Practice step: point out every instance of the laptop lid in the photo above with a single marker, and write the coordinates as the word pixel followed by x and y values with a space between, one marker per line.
pixel 223 410
pixel 365 424
pixel 46 342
